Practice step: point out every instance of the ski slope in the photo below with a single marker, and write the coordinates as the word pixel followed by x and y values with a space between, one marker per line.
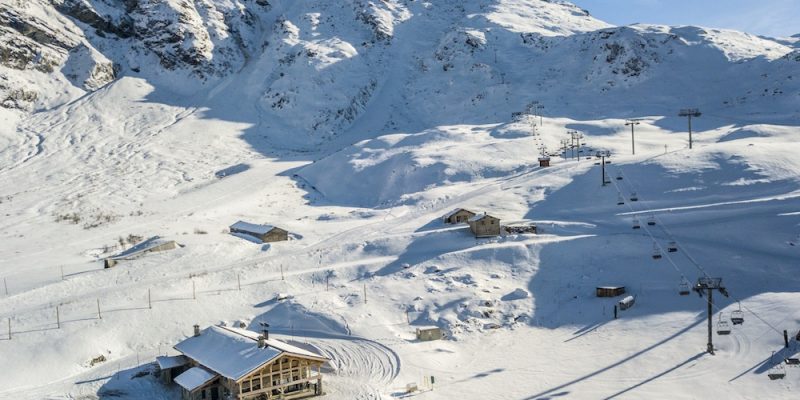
pixel 393 114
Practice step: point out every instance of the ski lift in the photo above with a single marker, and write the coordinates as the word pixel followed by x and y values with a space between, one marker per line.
pixel 685 288
pixel 723 327
pixel 634 197
pixel 636 223
pixel 672 247
pixel 776 372
pixel 619 175
pixel 651 220
pixel 656 252
pixel 737 316
pixel 620 200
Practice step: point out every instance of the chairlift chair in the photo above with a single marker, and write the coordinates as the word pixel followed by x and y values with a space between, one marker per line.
pixel 685 288
pixel 672 247
pixel 656 252
pixel 737 316
pixel 636 223
pixel 723 326
pixel 619 175
pixel 620 200
pixel 634 197
pixel 651 220
pixel 777 372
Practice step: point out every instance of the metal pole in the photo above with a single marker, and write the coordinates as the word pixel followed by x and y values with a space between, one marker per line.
pixel 282 272
pixel 149 301
pixel 5 284
pixel 99 316
pixel 710 347
pixel 194 291
pixel 603 169
pixel 690 131
pixel 239 282
pixel 58 318
pixel 365 295
pixel 633 145
pixel 9 328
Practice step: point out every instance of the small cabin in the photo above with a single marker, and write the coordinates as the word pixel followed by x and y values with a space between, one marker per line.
pixel 238 364
pixel 610 291
pixel 458 216
pixel 264 233
pixel 544 161
pixel 484 225
pixel 151 245
pixel 428 333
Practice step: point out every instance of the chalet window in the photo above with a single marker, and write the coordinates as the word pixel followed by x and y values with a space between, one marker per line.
pixel 203 394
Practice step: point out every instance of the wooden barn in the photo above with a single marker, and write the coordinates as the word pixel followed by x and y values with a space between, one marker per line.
pixel 230 363
pixel 265 233
pixel 458 216
pixel 484 225
pixel 151 245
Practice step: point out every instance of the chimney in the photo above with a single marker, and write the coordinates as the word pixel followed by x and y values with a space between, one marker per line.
pixel 262 342
pixel 197 330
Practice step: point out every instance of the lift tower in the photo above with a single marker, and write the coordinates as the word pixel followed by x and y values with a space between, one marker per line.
pixel 709 285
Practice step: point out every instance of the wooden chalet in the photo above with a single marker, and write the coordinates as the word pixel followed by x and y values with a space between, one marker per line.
pixel 264 233
pixel 484 225
pixel 457 216
pixel 221 363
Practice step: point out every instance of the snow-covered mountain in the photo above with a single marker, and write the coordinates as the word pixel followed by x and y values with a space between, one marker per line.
pixel 355 125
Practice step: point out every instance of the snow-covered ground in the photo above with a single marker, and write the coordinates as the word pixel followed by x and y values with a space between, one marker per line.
pixel 363 191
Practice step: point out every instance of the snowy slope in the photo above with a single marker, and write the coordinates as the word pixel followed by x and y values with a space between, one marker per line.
pixel 356 125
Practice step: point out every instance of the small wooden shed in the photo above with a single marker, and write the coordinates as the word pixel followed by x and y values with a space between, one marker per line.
pixel 169 367
pixel 544 161
pixel 610 291
pixel 484 225
pixel 457 216
pixel 265 233
pixel 428 333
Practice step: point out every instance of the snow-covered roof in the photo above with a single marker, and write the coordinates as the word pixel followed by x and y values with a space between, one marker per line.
pixel 453 212
pixel 140 248
pixel 195 377
pixel 253 228
pixel 274 343
pixel 480 216
pixel 234 353
pixel 167 362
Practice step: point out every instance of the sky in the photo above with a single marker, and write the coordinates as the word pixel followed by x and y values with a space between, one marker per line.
pixel 776 18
